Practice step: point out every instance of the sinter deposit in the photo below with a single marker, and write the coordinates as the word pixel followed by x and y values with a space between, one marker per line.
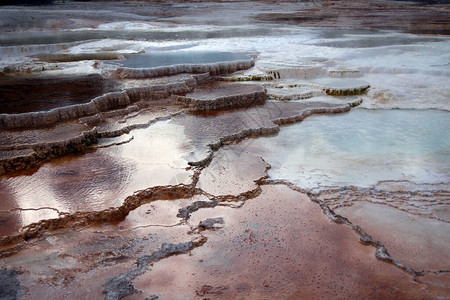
pixel 225 150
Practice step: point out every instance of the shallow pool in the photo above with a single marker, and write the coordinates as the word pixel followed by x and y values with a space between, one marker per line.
pixel 169 58
pixel 361 148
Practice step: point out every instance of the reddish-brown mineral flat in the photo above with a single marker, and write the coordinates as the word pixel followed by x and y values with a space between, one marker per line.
pixel 278 245
pixel 417 241
pixel 76 265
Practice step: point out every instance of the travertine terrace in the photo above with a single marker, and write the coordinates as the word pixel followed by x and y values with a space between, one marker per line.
pixel 225 150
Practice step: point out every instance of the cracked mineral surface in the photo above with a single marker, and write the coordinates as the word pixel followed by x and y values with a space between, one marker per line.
pixel 225 150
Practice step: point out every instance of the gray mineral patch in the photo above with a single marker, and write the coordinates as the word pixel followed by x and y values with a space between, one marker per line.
pixel 121 286
pixel 211 223
pixel 10 288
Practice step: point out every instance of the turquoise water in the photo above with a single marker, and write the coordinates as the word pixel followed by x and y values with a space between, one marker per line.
pixel 361 148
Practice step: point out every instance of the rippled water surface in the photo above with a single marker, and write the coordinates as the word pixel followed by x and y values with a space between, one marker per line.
pixel 21 94
pixel 104 178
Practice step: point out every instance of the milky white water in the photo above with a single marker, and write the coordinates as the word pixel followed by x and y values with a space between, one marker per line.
pixel 404 70
pixel 360 148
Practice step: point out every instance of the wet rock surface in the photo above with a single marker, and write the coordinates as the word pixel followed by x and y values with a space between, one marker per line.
pixel 278 243
pixel 120 286
pixel 232 173
pixel 22 94
pixel 217 96
pixel 214 151
pixel 393 215
pixel 211 223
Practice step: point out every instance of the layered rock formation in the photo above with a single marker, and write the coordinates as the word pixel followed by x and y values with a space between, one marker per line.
pixel 156 184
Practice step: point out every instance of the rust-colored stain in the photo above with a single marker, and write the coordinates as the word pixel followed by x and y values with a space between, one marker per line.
pixel 279 245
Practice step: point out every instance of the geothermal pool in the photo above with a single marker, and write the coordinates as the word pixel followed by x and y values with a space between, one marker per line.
pixel 173 58
pixel 360 148
pixel 225 150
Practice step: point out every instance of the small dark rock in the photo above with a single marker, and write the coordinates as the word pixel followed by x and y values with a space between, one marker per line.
pixel 210 223
pixel 120 286
pixel 383 254
pixel 366 239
